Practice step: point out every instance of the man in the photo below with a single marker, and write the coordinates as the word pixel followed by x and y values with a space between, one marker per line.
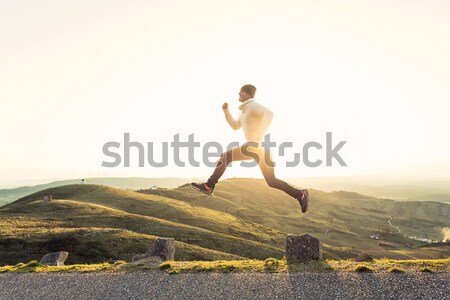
pixel 254 120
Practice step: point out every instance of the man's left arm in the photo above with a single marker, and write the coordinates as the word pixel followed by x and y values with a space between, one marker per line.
pixel 266 117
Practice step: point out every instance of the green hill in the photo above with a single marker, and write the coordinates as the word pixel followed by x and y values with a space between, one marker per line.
pixel 246 218
pixel 341 219
pixel 162 208
pixel 121 209
pixel 380 187
pixel 11 194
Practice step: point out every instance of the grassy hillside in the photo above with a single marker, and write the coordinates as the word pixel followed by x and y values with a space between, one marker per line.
pixel 33 220
pixel 380 187
pixel 11 194
pixel 162 208
pixel 340 219
pixel 246 219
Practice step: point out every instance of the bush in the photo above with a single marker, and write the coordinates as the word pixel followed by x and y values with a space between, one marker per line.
pixel 271 263
pixel 228 268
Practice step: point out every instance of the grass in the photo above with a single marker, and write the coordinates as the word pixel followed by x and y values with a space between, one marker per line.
pixel 281 265
pixel 163 208
pixel 246 219
pixel 64 215
pixel 435 265
pixel 354 217
pixel 270 265
pixel 100 206
pixel 35 267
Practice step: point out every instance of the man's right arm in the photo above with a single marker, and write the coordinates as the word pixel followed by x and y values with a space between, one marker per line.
pixel 235 124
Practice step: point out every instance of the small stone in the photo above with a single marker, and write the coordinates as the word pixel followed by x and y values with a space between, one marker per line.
pixel 363 257
pixel 164 248
pixel 55 258
pixel 303 247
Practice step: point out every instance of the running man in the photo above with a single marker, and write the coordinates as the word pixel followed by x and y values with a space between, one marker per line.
pixel 254 119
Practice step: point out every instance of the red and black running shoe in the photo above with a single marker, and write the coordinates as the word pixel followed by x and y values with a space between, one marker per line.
pixel 303 199
pixel 203 187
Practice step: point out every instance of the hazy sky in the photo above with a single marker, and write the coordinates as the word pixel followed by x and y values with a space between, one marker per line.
pixel 77 74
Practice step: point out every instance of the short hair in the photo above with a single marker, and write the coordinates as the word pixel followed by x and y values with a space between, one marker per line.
pixel 249 89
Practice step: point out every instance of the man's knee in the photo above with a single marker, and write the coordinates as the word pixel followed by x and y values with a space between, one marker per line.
pixel 226 157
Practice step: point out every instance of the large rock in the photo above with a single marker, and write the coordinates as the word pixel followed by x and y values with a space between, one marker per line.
pixel 303 247
pixel 164 248
pixel 55 258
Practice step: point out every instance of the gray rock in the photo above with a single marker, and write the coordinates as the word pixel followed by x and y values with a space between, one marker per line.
pixel 55 258
pixel 363 257
pixel 164 248
pixel 303 247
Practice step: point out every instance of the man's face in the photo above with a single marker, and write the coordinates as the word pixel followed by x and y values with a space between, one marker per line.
pixel 243 96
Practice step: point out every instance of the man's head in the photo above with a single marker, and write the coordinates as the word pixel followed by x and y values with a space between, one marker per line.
pixel 247 91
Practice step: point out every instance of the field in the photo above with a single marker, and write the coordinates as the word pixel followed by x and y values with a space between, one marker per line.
pixel 244 220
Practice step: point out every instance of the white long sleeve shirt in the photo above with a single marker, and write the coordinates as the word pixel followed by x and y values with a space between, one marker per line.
pixel 254 119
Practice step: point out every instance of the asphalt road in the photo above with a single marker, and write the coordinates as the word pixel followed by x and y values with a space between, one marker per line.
pixel 160 285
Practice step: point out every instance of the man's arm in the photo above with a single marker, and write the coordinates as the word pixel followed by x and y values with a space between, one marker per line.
pixel 266 117
pixel 235 124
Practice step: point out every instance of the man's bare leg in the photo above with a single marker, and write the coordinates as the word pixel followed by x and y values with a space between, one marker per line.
pixel 235 154
pixel 267 168
pixel 225 159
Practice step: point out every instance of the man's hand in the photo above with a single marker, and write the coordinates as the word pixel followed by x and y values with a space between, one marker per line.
pixel 225 106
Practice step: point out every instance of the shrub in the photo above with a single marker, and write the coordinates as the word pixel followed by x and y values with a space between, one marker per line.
pixel 271 263
pixel 228 268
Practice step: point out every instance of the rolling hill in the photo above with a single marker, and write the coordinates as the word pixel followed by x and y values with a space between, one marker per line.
pixel 338 218
pixel 11 194
pixel 380 187
pixel 246 219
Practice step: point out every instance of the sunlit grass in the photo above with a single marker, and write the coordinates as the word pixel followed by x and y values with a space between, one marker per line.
pixel 35 267
pixel 270 265
pixel 281 265
pixel 245 220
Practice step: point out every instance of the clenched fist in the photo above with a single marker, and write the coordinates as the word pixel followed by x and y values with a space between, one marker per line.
pixel 225 106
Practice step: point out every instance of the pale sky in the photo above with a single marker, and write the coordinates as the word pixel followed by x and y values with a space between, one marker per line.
pixel 77 74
